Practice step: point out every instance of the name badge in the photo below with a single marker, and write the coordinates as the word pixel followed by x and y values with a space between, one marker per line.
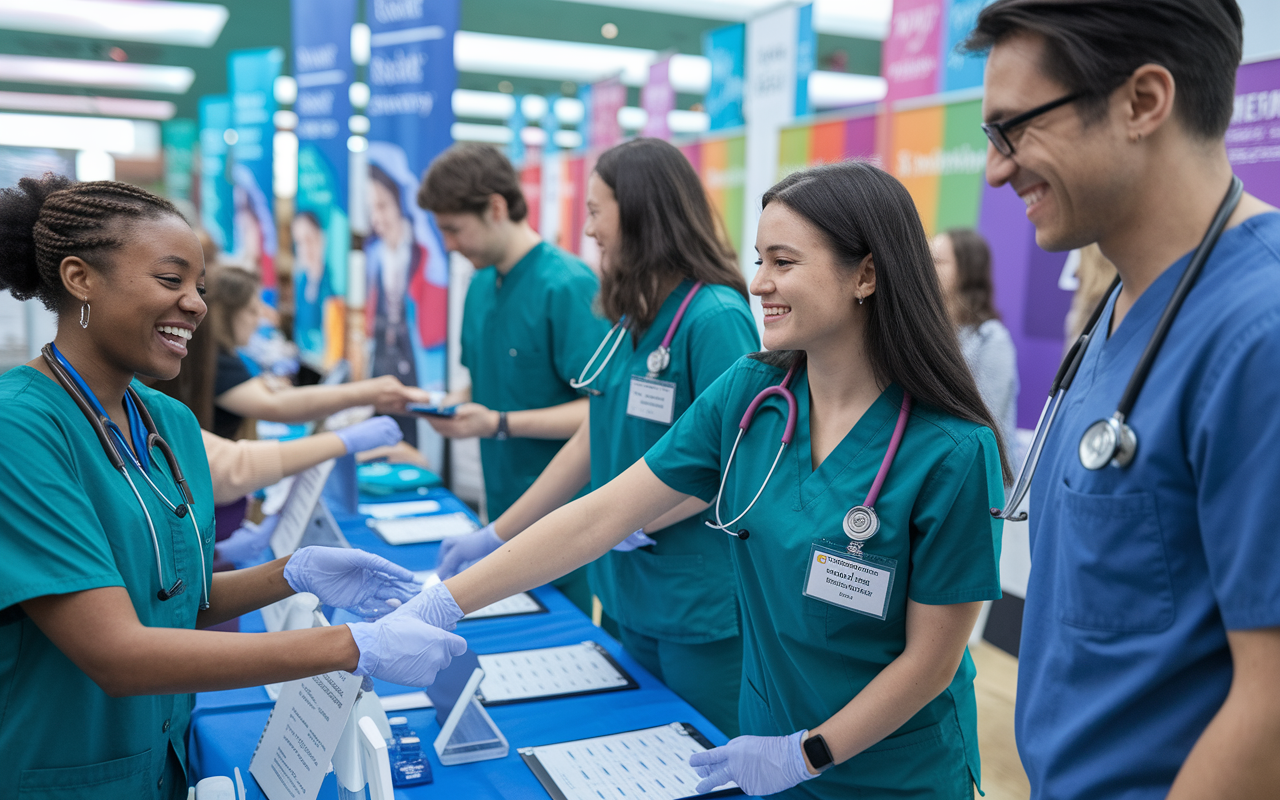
pixel 862 584
pixel 652 399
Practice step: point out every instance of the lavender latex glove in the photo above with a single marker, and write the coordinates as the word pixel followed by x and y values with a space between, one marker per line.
pixel 373 432
pixel 247 543
pixel 760 765
pixel 459 552
pixel 362 583
pixel 637 539
pixel 412 644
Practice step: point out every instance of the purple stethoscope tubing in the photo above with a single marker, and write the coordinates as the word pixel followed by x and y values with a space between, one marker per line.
pixel 660 357
pixel 782 390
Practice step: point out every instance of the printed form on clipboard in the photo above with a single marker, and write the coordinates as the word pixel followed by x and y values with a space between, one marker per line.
pixel 513 606
pixel 652 763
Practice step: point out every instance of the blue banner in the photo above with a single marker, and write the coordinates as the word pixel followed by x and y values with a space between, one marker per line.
pixel 726 48
pixel 251 76
pixel 806 57
pixel 412 78
pixel 216 201
pixel 961 71
pixel 321 229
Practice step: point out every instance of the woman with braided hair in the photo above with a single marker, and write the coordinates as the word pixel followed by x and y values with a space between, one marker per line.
pixel 104 548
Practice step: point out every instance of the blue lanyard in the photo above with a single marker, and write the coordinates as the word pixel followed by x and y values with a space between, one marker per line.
pixel 139 455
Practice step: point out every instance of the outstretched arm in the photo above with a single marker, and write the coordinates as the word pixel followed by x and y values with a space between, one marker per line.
pixel 567 538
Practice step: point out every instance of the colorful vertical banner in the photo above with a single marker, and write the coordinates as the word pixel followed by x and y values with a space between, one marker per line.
pixel 217 202
pixel 584 124
pixel 806 57
pixel 658 99
pixel 1253 140
pixel 607 99
pixel 726 49
pixel 910 55
pixel 412 78
pixel 961 70
pixel 252 75
pixel 179 137
pixel 516 122
pixel 321 228
pixel 721 164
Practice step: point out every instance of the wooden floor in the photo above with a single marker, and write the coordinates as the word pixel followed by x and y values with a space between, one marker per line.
pixel 1002 775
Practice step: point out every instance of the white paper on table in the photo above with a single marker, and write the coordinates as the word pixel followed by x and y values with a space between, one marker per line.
pixel 514 605
pixel 304 493
pixel 297 744
pixel 416 530
pixel 652 763
pixel 409 508
pixel 404 702
pixel 549 672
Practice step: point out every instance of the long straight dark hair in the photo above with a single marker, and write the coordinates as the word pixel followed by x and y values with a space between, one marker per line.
pixel 862 210
pixel 667 229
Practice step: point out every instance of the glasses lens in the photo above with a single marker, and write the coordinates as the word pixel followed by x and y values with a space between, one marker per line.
pixel 998 140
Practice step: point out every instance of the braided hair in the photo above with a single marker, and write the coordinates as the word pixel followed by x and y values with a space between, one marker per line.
pixel 45 220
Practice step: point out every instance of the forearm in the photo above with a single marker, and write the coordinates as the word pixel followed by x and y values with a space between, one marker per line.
pixel 307 403
pixel 238 468
pixel 689 508
pixel 304 453
pixel 243 590
pixel 567 473
pixel 555 422
pixel 565 539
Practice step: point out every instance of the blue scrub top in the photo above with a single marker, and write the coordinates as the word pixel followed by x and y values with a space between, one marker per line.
pixel 68 523
pixel 1137 574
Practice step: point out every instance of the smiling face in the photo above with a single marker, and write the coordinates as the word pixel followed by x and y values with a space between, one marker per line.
pixel 385 217
pixel 146 305
pixel 1075 179
pixel 603 220
pixel 809 298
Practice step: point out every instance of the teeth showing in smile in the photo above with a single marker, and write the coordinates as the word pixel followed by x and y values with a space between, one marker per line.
pixel 1032 197
pixel 181 333
pixel 776 311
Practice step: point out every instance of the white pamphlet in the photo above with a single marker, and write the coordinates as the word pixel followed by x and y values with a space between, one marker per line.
pixel 409 508
pixel 416 530
pixel 298 742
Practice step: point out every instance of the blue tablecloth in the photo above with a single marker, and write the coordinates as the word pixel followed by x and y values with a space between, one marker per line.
pixel 225 726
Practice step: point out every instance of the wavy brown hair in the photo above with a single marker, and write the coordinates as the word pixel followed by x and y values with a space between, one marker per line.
pixel 975 293
pixel 668 232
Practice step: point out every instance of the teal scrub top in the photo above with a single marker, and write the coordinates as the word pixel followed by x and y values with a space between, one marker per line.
pixel 673 590
pixel 524 337
pixel 71 523
pixel 804 659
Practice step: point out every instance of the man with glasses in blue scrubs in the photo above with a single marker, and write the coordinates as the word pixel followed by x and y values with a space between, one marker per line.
pixel 1150 656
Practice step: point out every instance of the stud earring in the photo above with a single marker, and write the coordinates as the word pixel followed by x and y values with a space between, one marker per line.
pixel 85 310
pixel 859 299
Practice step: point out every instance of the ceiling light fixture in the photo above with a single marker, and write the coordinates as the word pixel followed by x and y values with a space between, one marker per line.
pixel 189 24
pixel 98 74
pixel 82 104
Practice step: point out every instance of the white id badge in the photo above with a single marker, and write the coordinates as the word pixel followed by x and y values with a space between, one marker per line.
pixel 652 399
pixel 858 583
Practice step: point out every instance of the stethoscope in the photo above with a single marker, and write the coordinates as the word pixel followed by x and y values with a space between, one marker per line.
pixel 1111 441
pixel 105 428
pixel 861 522
pixel 657 361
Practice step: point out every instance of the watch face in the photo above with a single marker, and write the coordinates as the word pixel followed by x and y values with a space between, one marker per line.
pixel 1098 445
pixel 815 747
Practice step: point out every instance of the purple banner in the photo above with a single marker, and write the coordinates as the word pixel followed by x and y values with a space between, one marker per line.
pixel 658 99
pixel 1253 140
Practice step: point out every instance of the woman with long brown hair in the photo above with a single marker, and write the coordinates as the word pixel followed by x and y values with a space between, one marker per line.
pixel 671 285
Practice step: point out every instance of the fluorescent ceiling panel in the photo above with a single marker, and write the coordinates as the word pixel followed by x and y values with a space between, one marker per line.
pixel 97 74
pixel 863 19
pixel 117 136
pixel 190 24
pixel 483 105
pixel 471 132
pixel 839 89
pixel 81 104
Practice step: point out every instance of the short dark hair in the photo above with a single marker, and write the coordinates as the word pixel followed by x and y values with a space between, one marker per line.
pixel 1093 46
pixel 667 231
pixel 463 178
pixel 974 288
pixel 862 210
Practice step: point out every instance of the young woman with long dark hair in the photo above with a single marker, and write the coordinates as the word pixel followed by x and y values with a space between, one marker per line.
pixel 860 570
pixel 670 284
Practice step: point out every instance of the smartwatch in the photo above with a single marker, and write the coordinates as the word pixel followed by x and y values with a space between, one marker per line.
pixel 819 755
pixel 503 431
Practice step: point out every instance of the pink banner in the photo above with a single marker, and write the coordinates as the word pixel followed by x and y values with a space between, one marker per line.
pixel 658 99
pixel 910 60
pixel 607 98
pixel 1253 140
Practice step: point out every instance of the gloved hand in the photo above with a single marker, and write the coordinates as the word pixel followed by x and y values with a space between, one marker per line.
pixel 459 552
pixel 411 644
pixel 247 542
pixel 362 583
pixel 760 765
pixel 373 432
pixel 637 539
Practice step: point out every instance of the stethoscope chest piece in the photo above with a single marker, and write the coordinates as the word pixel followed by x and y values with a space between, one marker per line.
pixel 860 524
pixel 658 361
pixel 1108 441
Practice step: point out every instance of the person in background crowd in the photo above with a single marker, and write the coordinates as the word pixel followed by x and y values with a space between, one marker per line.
pixel 1151 632
pixel 963 260
pixel 1094 275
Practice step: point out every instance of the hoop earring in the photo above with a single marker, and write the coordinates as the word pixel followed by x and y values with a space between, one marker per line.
pixel 85 311
pixel 859 300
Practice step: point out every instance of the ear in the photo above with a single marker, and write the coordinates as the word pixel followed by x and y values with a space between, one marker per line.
pixel 864 281
pixel 78 278
pixel 1147 99
pixel 498 211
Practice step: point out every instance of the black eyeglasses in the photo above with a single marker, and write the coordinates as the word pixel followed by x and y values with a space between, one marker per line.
pixel 998 132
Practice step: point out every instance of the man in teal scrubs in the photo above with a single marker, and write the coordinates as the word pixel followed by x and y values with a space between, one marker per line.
pixel 527 328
